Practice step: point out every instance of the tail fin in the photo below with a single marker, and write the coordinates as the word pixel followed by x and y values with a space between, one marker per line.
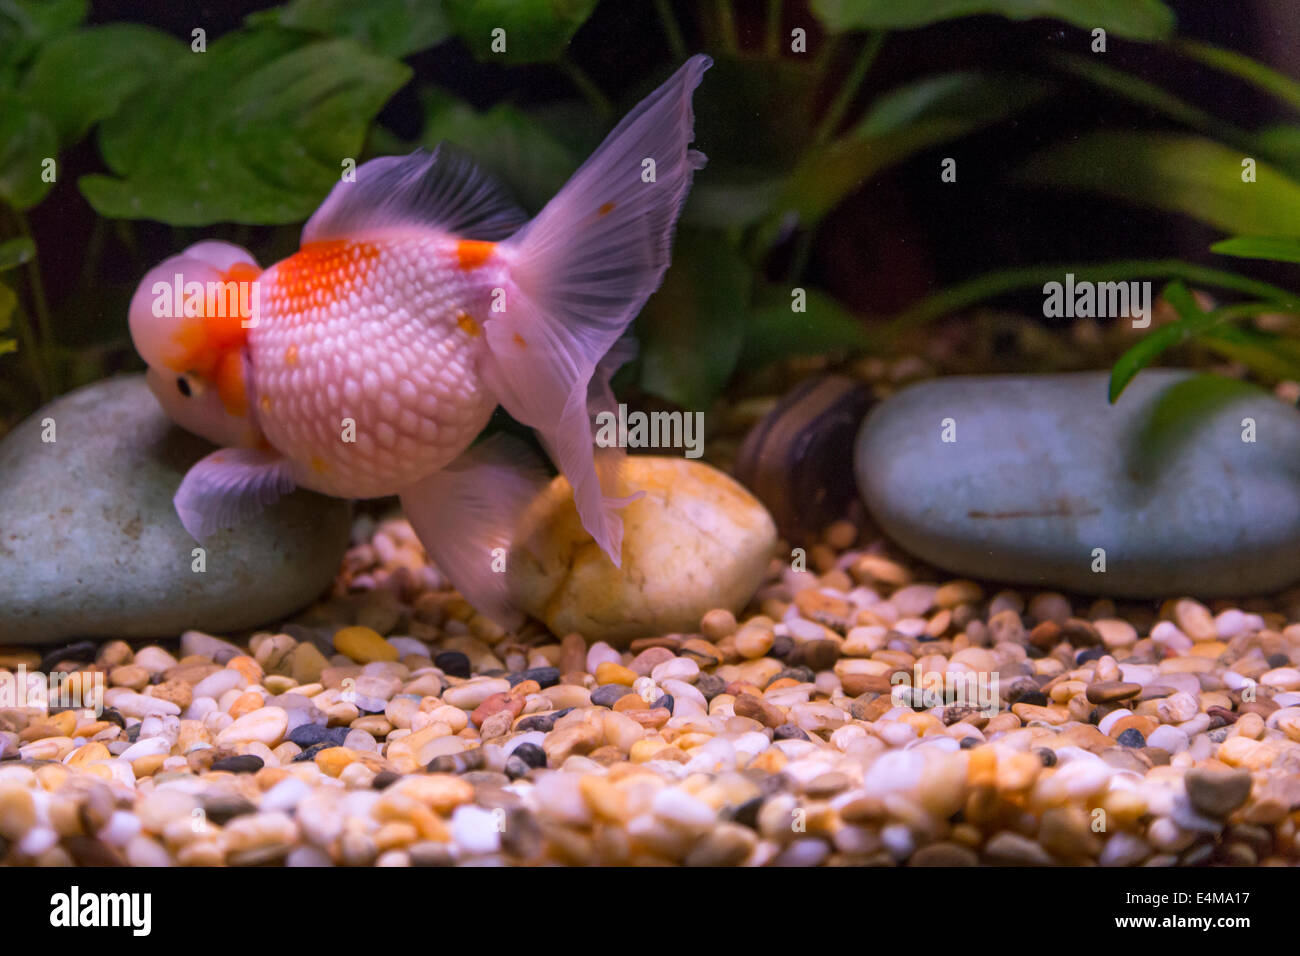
pixel 581 271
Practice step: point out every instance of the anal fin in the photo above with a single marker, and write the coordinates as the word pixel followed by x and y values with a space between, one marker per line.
pixel 470 508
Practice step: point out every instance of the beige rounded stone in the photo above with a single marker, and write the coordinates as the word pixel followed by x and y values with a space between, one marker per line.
pixel 696 541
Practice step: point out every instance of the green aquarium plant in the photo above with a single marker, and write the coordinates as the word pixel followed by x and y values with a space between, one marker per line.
pixel 243 134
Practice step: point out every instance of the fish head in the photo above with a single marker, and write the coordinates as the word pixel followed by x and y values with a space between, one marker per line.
pixel 190 317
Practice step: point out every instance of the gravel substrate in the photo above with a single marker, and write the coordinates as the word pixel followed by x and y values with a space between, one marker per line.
pixel 1134 735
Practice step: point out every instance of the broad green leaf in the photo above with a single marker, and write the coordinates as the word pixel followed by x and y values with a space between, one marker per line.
pixel 535 30
pixel 255 131
pixel 692 328
pixel 1259 247
pixel 776 331
pixel 27 24
pixel 1177 173
pixel 395 28
pixel 81 78
pixel 505 141
pixel 27 140
pixel 901 123
pixel 16 252
pixel 1132 19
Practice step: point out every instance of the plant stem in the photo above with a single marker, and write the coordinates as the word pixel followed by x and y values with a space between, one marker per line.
pixel 844 98
pixel 727 26
pixel 43 357
pixel 587 87
pixel 672 31
pixel 773 33
pixel 998 283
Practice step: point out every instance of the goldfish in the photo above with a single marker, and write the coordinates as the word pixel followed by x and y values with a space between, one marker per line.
pixel 420 299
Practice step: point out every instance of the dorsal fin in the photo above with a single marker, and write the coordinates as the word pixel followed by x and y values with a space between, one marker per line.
pixel 444 189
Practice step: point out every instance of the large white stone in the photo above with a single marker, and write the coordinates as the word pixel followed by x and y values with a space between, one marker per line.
pixel 1044 471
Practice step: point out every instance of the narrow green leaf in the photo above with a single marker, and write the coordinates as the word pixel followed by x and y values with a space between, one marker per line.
pixel 1259 247
pixel 691 330
pixel 1243 67
pixel 27 141
pixel 395 28
pixel 81 78
pixel 1264 353
pixel 1132 19
pixel 8 301
pixel 255 130
pixel 901 123
pixel 1153 344
pixel 16 252
pixel 1184 174
pixel 533 31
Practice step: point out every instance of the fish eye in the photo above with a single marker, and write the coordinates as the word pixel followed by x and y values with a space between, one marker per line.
pixel 183 386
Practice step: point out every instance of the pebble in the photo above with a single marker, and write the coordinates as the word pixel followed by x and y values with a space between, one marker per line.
pixel 696 541
pixel 1217 793
pixel 118 536
pixel 364 645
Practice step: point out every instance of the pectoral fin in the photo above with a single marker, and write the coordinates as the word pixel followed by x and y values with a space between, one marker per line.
pixel 230 486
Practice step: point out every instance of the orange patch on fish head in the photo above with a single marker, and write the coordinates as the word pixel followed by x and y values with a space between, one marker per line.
pixel 472 253
pixel 230 383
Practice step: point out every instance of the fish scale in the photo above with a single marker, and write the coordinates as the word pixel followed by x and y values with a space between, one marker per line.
pixel 384 332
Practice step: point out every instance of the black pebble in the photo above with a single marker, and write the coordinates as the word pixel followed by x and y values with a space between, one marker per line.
pixel 309 753
pixel 242 763
pixel 1132 738
pixel 968 742
pixel 1279 660
pixel 1047 755
pixel 82 652
pixel 606 694
pixel 308 735
pixel 710 685
pixel 516 768
pixel 782 646
pixel 801 674
pixel 666 702
pixel 789 732
pixel 543 722
pixel 452 663
pixel 133 732
pixel 530 754
pixel 1035 697
pixel 113 717
pixel 747 813
pixel 385 779
pixel 221 810
pixel 545 676
pixel 1091 654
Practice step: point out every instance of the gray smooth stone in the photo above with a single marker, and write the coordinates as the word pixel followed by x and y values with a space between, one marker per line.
pixel 1044 471
pixel 90 545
